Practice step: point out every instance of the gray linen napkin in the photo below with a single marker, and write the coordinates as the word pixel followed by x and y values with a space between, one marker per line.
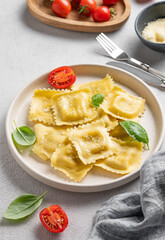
pixel 136 216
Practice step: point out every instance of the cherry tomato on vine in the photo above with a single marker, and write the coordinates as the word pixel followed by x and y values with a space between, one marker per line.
pixel 61 8
pixel 110 2
pixel 87 6
pixel 61 77
pixel 54 219
pixel 101 14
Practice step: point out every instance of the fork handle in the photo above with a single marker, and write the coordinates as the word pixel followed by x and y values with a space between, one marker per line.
pixel 147 68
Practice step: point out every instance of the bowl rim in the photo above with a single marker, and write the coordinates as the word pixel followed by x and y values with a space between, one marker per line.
pixel 136 22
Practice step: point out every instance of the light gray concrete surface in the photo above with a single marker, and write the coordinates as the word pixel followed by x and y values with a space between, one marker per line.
pixel 29 48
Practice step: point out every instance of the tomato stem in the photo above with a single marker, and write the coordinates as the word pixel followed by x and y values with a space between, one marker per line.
pixel 83 9
pixel 112 11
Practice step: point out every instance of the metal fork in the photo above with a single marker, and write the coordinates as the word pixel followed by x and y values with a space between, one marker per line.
pixel 118 54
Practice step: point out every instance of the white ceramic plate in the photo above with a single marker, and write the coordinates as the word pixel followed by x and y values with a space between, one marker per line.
pixel 97 179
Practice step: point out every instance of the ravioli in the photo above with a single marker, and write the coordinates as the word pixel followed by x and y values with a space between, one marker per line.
pixel 126 160
pixel 103 86
pixel 40 109
pixel 73 108
pixel 66 160
pixel 92 142
pixel 120 133
pixel 47 140
pixel 109 121
pixel 74 135
pixel 122 105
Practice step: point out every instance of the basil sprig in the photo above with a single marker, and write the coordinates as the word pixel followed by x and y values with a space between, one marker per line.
pixel 23 136
pixel 136 131
pixel 23 206
pixel 97 100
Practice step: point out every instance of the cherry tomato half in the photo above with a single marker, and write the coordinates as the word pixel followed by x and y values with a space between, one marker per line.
pixel 54 219
pixel 110 2
pixel 101 14
pixel 62 77
pixel 61 7
pixel 86 7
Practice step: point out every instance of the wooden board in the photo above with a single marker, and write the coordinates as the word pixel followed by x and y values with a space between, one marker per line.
pixel 41 10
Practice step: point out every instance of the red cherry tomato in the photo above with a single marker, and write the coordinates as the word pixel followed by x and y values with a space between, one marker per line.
pixel 54 219
pixel 61 7
pixel 61 77
pixel 110 2
pixel 101 14
pixel 87 6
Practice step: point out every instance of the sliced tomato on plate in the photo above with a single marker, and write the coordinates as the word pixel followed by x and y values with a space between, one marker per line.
pixel 54 219
pixel 62 77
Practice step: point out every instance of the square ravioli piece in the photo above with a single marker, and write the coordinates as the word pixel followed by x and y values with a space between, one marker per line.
pixel 92 142
pixel 126 160
pixel 66 160
pixel 73 108
pixel 48 139
pixel 40 109
pixel 103 86
pixel 122 105
pixel 120 133
pixel 109 121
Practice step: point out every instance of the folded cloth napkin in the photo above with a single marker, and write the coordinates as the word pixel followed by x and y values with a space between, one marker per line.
pixel 136 216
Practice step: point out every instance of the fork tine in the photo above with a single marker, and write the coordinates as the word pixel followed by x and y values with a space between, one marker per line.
pixel 106 43
pixel 103 45
pixel 109 41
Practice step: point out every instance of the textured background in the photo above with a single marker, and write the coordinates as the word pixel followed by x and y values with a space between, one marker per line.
pixel 28 49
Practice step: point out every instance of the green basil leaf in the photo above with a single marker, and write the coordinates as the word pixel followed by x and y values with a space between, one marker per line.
pixel 23 206
pixel 23 136
pixel 136 131
pixel 20 148
pixel 97 100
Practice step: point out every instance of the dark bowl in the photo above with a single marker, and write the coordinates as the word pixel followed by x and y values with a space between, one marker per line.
pixel 149 14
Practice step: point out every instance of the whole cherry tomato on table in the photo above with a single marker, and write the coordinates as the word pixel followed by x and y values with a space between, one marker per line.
pixel 61 8
pixel 61 77
pixel 101 14
pixel 87 6
pixel 54 219
pixel 110 2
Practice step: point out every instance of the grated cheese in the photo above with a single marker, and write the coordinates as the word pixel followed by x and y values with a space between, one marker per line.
pixel 155 31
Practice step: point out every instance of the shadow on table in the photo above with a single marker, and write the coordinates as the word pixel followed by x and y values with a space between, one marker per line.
pixel 41 234
pixel 43 28
pixel 147 55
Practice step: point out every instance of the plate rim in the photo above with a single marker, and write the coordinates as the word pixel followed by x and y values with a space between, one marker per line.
pixel 72 186
pixel 84 26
